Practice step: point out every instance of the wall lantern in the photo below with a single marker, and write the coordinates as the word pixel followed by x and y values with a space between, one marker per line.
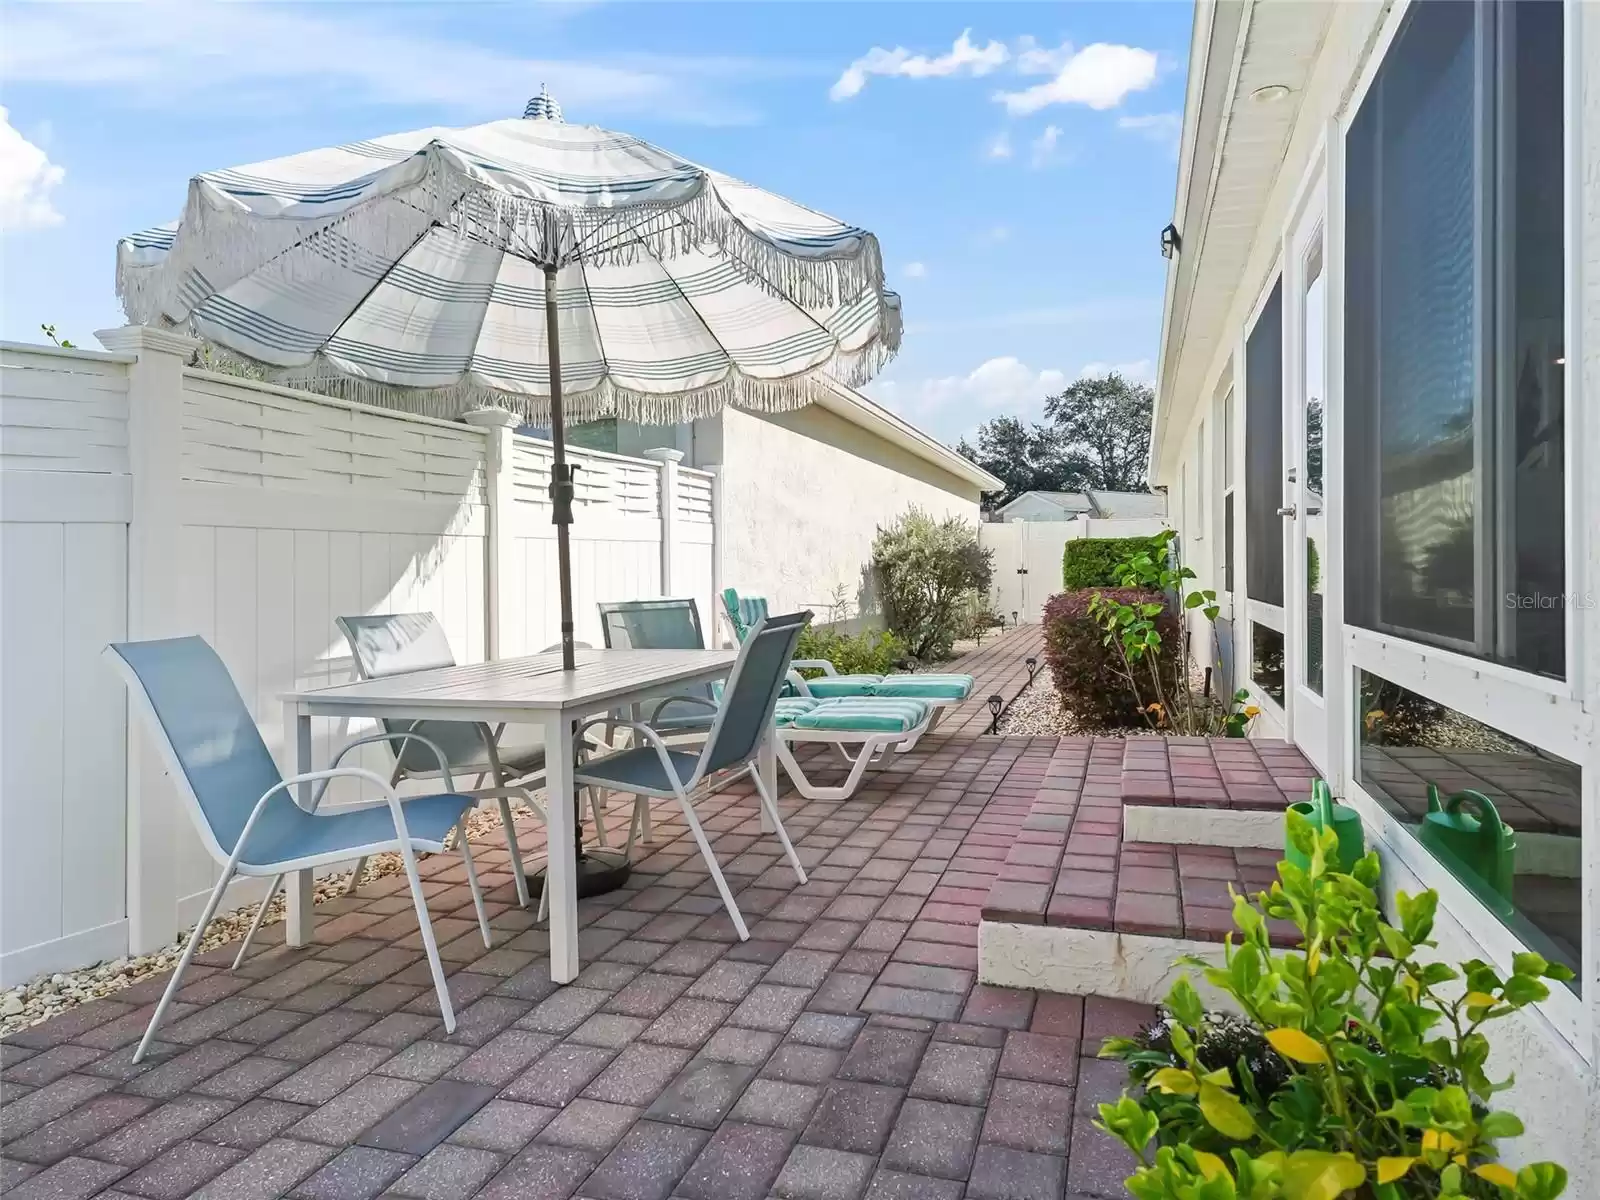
pixel 1171 242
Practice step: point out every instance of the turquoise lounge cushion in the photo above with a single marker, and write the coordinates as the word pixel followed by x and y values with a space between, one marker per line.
pixel 790 707
pixel 930 686
pixel 826 686
pixel 863 715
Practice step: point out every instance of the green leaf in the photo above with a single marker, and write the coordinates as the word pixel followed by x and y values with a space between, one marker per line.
pixel 1171 1079
pixel 1193 600
pixel 1524 989
pixel 1529 963
pixel 1225 1114
pixel 1319 1175
pixel 1500 1125
pixel 1184 1002
pixel 1541 1181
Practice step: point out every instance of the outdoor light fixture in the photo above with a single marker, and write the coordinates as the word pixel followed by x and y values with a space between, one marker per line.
pixel 1014 620
pixel 1270 94
pixel 1033 665
pixel 997 704
pixel 1171 242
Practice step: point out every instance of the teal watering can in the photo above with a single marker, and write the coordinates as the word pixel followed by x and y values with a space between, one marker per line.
pixel 1479 844
pixel 1323 813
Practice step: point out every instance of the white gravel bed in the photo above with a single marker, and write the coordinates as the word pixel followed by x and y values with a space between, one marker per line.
pixel 1037 712
pixel 50 995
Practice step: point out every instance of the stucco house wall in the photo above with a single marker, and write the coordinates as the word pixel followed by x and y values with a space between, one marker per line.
pixel 804 493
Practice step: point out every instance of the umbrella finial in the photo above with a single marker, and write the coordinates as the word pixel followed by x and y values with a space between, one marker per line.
pixel 542 107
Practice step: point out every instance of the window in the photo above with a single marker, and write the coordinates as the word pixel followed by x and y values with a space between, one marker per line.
pixel 1263 453
pixel 1454 357
pixel 1530 876
pixel 1226 457
pixel 1266 661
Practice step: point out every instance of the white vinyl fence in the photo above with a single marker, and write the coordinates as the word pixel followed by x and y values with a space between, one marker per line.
pixel 141 498
pixel 1027 557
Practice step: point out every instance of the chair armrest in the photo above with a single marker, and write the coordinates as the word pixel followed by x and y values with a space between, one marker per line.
pixel 655 713
pixel 814 664
pixel 403 737
pixel 798 681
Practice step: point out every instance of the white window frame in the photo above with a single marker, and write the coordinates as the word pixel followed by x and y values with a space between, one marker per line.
pixel 1548 714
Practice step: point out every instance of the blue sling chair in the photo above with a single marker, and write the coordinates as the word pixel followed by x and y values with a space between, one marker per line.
pixel 241 806
pixel 745 715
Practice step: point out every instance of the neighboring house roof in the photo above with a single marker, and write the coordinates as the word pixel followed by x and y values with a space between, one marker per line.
pixel 858 410
pixel 1070 503
pixel 1129 504
pixel 1094 502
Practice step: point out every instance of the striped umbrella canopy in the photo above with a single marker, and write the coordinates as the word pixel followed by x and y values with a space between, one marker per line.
pixel 562 271
pixel 414 270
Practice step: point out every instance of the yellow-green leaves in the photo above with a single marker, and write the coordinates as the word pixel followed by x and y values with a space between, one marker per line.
pixel 1297 1045
pixel 1225 1114
pixel 1319 1175
pixel 1171 1079
pixel 1392 1168
pixel 1496 1174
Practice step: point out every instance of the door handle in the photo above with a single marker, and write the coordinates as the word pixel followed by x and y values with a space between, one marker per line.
pixel 1286 511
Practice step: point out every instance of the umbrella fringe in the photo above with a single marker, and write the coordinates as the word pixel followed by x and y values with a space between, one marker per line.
pixel 606 400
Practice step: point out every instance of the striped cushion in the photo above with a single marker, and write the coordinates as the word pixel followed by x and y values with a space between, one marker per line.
pixel 826 686
pixel 790 707
pixel 931 687
pixel 744 612
pixel 864 715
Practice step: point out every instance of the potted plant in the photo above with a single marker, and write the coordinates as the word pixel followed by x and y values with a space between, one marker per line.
pixel 1355 1068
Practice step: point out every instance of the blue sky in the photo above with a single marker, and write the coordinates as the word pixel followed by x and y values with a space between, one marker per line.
pixel 1016 160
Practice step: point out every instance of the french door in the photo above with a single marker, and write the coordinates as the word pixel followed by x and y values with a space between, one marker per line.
pixel 1308 640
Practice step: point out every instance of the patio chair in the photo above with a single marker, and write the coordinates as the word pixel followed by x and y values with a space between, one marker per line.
pixel 241 804
pixel 512 757
pixel 653 768
pixel 667 624
pixel 940 690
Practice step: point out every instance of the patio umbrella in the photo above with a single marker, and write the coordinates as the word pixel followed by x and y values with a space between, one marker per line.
pixel 562 271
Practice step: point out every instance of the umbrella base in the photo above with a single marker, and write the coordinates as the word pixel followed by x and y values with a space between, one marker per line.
pixel 599 871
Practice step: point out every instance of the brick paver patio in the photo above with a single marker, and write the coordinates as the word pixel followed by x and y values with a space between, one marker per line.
pixel 845 1050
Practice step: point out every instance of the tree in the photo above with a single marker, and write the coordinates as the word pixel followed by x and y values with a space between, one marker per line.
pixel 1025 458
pixel 1103 429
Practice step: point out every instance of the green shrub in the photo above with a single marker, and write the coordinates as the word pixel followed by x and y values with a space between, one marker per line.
pixel 873 652
pixel 1088 673
pixel 1358 1068
pixel 1093 562
pixel 928 571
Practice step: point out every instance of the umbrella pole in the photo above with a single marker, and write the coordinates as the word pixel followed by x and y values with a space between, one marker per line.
pixel 561 474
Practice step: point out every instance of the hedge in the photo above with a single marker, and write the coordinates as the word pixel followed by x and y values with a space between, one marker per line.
pixel 1093 562
pixel 1087 672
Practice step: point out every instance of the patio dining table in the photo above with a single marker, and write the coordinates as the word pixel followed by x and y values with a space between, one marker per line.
pixel 528 691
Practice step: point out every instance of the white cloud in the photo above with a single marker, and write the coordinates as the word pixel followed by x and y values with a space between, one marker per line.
pixel 999 146
pixel 27 179
pixel 1162 128
pixel 1140 371
pixel 267 57
pixel 1034 59
pixel 1043 147
pixel 963 58
pixel 1000 385
pixel 995 234
pixel 915 270
pixel 1099 76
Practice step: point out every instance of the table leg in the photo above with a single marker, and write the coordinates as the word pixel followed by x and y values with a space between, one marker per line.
pixel 767 764
pixel 562 870
pixel 298 895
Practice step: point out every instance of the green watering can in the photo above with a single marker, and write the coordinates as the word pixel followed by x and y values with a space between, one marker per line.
pixel 1323 813
pixel 1481 843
